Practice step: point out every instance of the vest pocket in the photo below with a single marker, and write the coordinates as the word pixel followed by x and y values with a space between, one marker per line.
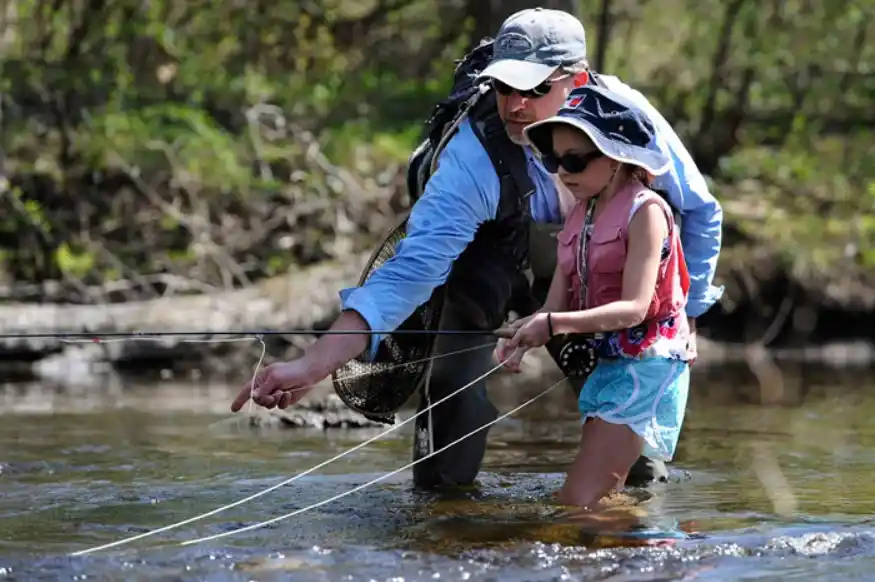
pixel 607 251
pixel 566 251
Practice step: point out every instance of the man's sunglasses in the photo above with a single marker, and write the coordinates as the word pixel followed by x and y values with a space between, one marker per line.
pixel 534 93
pixel 573 163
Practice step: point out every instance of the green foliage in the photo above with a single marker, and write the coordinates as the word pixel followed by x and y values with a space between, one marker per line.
pixel 179 139
pixel 74 263
pixel 204 138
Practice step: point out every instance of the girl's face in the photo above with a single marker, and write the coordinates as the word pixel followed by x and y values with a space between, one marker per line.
pixel 581 167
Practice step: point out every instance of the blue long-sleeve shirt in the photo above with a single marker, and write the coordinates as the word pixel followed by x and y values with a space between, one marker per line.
pixel 464 192
pixel 702 216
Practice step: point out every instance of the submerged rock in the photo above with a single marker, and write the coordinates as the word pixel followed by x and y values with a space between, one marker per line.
pixel 323 410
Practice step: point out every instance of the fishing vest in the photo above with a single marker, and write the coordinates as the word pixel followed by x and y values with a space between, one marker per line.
pixel 606 255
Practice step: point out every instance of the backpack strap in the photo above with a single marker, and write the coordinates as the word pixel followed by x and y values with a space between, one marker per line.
pixel 516 186
pixel 508 158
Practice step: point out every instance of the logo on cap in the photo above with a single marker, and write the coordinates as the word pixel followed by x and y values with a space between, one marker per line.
pixel 513 43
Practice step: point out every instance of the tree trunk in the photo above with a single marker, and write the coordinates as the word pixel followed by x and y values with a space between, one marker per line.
pixel 489 14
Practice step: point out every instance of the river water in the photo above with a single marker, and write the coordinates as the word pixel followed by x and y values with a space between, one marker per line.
pixel 782 490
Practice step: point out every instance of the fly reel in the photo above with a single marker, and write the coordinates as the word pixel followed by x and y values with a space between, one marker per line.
pixel 577 356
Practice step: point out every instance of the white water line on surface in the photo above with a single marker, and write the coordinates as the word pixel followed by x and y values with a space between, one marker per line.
pixel 304 473
pixel 378 479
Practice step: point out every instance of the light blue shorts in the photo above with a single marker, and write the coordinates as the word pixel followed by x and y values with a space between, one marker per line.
pixel 649 396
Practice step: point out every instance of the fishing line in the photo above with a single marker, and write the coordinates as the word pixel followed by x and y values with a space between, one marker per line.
pixel 410 363
pixel 371 482
pixel 389 369
pixel 292 479
pixel 99 337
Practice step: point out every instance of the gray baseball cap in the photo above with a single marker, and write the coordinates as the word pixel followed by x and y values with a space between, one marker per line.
pixel 532 44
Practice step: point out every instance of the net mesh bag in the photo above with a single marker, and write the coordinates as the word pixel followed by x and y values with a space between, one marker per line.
pixel 378 388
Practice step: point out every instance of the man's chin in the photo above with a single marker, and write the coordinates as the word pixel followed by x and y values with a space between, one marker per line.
pixel 515 132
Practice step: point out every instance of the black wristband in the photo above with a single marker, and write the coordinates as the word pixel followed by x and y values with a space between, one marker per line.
pixel 549 325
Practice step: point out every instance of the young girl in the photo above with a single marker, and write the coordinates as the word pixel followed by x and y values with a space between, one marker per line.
pixel 620 276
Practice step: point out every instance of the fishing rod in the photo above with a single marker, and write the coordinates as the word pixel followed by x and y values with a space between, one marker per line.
pixel 501 332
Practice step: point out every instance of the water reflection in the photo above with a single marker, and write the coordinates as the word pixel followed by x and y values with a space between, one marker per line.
pixel 81 467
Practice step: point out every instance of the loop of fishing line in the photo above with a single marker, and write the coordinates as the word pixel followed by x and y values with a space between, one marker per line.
pixel 299 475
pixel 371 482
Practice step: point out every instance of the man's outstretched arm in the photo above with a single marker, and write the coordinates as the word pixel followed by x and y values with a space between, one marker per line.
pixel 461 195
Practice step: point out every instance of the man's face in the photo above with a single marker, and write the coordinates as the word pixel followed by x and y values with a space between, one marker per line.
pixel 519 109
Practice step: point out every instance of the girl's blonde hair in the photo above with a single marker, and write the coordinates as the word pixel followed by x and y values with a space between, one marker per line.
pixel 641 174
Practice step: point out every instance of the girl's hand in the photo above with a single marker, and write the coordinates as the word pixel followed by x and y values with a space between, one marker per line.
pixel 512 357
pixel 533 333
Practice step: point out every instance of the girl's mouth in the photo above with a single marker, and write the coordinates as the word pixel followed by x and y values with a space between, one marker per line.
pixel 576 190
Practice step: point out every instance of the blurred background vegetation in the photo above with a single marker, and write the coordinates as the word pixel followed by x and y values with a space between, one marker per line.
pixel 216 144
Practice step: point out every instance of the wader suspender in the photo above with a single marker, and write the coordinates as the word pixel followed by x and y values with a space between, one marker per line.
pixel 515 187
pixel 509 161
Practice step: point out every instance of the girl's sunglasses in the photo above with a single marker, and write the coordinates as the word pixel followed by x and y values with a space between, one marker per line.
pixel 573 163
pixel 535 93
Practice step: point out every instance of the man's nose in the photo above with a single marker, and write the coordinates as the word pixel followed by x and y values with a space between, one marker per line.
pixel 515 101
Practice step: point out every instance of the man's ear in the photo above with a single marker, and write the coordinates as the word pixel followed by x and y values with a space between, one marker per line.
pixel 581 79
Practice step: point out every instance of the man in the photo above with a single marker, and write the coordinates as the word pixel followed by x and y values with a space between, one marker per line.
pixel 460 234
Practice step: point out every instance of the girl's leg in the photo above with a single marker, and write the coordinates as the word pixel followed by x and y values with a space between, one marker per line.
pixel 607 452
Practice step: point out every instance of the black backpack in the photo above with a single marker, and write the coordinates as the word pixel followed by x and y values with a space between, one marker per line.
pixel 378 388
pixel 447 115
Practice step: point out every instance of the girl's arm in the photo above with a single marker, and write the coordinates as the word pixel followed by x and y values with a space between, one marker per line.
pixel 557 300
pixel 647 230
